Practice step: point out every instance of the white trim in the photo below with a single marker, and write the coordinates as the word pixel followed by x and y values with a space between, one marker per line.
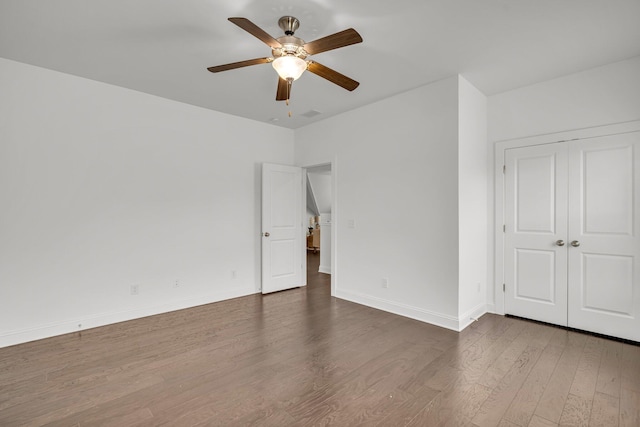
pixel 60 328
pixel 438 319
pixel 303 220
pixel 334 225
pixel 498 191
pixel 465 319
pixel 500 147
pixel 324 269
pixel 588 132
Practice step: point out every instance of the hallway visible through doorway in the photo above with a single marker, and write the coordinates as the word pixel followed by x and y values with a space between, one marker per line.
pixel 314 278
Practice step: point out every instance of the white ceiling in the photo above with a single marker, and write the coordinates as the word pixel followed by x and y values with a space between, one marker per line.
pixel 163 47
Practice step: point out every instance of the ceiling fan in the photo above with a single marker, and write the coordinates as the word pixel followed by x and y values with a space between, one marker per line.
pixel 290 54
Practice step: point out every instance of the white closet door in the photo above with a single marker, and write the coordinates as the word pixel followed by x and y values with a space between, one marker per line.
pixel 536 230
pixel 604 220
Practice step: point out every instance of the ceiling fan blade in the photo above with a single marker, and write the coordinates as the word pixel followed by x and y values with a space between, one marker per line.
pixel 332 75
pixel 239 64
pixel 284 90
pixel 256 31
pixel 334 41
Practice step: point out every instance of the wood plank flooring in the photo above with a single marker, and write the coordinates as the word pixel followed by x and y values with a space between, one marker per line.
pixel 300 357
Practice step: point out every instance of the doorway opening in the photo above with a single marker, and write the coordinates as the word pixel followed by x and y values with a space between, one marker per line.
pixel 319 232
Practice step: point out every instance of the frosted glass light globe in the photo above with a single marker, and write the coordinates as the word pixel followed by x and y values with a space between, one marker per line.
pixel 289 67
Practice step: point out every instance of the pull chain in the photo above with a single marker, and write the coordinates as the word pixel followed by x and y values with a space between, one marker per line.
pixel 289 83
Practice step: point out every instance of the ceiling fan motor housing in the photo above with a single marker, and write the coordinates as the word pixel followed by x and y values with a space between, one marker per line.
pixel 290 46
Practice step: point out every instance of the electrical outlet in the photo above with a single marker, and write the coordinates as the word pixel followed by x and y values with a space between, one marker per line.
pixel 135 289
pixel 385 282
pixel 176 284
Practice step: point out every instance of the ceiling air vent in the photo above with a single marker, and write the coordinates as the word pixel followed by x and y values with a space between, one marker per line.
pixel 311 113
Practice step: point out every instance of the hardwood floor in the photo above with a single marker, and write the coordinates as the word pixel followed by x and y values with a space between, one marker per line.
pixel 303 358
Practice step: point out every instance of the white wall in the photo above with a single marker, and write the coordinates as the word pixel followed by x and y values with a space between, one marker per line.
pixel 395 163
pixel 321 185
pixel 325 243
pixel 472 187
pixel 596 97
pixel 102 188
pixel 599 96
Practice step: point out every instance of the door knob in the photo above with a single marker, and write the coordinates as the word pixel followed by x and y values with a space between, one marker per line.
pixel 266 234
pixel 575 243
pixel 560 242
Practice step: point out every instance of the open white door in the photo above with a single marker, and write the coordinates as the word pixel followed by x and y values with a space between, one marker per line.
pixel 282 232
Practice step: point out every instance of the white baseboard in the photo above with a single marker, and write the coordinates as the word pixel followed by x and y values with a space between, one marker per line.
pixel 434 318
pixel 324 269
pixel 438 319
pixel 471 316
pixel 46 331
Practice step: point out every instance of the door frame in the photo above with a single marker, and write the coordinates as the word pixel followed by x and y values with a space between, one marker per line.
pixel 334 218
pixel 499 191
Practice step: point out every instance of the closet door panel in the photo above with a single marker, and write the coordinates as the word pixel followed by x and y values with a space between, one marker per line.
pixel 604 260
pixel 535 260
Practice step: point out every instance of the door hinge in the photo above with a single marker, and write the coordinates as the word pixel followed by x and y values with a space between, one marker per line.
pixel 504 228
pixel 504 168
pixel 504 287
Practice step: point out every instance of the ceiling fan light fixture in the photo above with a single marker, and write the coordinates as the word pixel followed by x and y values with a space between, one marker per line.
pixel 289 67
pixel 289 54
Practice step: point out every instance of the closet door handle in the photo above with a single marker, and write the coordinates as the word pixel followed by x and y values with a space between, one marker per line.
pixel 575 243
pixel 559 242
